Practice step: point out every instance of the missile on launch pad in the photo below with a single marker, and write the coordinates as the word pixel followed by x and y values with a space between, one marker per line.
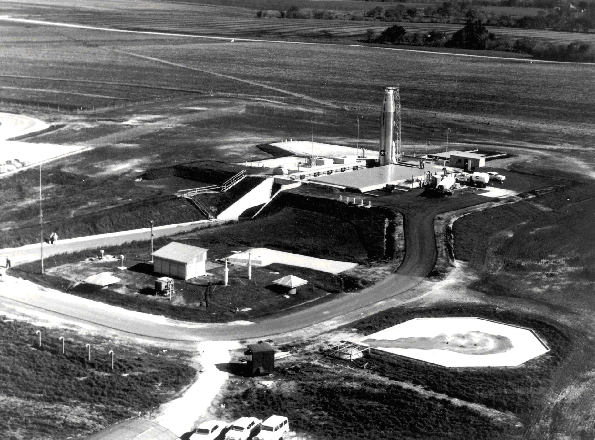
pixel 390 127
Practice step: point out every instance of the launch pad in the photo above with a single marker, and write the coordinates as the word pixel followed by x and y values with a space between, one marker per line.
pixel 371 179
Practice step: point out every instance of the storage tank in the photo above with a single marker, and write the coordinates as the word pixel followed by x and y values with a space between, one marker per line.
pixel 446 184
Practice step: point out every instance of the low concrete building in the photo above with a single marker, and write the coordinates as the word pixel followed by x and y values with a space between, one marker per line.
pixel 180 261
pixel 466 160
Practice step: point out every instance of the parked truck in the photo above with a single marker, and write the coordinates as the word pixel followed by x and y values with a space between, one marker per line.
pixel 479 179
pixel 273 428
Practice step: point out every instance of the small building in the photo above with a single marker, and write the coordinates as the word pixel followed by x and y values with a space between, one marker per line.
pixel 180 261
pixel 261 359
pixel 467 160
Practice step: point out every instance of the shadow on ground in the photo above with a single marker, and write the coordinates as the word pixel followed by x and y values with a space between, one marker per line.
pixel 237 369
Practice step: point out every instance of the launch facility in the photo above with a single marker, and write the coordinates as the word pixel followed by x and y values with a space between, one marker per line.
pixel 363 170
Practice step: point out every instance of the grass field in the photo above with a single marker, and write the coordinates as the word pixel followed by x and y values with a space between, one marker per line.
pixel 330 403
pixel 52 396
pixel 537 255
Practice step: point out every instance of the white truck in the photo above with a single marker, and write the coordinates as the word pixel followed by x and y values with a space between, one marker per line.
pixel 273 428
pixel 479 179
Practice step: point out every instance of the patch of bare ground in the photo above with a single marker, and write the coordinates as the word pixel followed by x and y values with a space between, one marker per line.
pixel 374 272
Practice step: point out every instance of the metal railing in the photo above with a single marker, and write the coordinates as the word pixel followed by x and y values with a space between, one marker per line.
pixel 194 191
pixel 233 181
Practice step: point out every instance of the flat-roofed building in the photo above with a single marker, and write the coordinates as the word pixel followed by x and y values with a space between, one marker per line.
pixel 180 261
pixel 466 160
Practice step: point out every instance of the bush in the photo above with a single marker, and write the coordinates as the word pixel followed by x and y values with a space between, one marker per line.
pixel 473 36
pixel 393 34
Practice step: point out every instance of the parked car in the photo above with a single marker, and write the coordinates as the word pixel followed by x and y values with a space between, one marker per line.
pixel 243 428
pixel 273 428
pixel 210 430
pixel 497 177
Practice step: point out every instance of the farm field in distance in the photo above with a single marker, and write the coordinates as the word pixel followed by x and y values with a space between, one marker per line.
pixel 147 103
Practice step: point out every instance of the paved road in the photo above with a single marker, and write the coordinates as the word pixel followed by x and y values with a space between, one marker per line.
pixel 32 252
pixel 419 260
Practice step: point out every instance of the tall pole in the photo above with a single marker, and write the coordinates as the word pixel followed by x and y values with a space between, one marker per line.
pixel 312 138
pixel 398 146
pixel 447 131
pixel 40 220
pixel 249 266
pixel 358 137
pixel 152 241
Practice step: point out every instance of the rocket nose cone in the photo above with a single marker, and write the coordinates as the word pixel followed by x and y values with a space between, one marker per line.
pixel 389 101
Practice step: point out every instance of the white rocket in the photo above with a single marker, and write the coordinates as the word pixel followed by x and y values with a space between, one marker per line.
pixel 390 127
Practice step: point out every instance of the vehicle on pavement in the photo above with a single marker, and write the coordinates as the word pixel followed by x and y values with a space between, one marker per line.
pixel 462 177
pixel 273 428
pixel 496 177
pixel 446 185
pixel 211 430
pixel 479 179
pixel 243 428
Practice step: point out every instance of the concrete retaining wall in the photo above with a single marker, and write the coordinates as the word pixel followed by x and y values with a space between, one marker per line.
pixel 259 195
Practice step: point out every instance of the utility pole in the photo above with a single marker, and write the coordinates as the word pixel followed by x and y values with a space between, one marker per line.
pixel 358 137
pixel 152 241
pixel 41 219
pixel 447 131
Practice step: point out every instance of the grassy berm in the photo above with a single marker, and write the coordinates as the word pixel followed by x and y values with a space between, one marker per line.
pixel 49 395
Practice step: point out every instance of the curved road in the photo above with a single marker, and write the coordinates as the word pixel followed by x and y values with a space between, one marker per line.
pixel 419 260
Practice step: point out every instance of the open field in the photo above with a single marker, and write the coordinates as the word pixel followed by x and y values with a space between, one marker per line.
pixel 533 257
pixel 50 395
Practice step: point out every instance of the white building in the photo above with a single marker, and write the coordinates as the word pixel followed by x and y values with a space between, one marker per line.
pixel 180 261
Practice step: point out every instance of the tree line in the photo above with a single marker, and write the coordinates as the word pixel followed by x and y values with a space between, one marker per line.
pixel 474 35
pixel 563 17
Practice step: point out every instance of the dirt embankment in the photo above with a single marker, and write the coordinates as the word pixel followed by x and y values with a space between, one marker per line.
pixel 162 210
pixel 379 229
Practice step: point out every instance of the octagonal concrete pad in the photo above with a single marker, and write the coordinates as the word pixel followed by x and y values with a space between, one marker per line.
pixel 459 342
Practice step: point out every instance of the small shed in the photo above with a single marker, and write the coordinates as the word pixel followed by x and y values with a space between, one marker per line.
pixel 180 260
pixel 466 160
pixel 261 359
